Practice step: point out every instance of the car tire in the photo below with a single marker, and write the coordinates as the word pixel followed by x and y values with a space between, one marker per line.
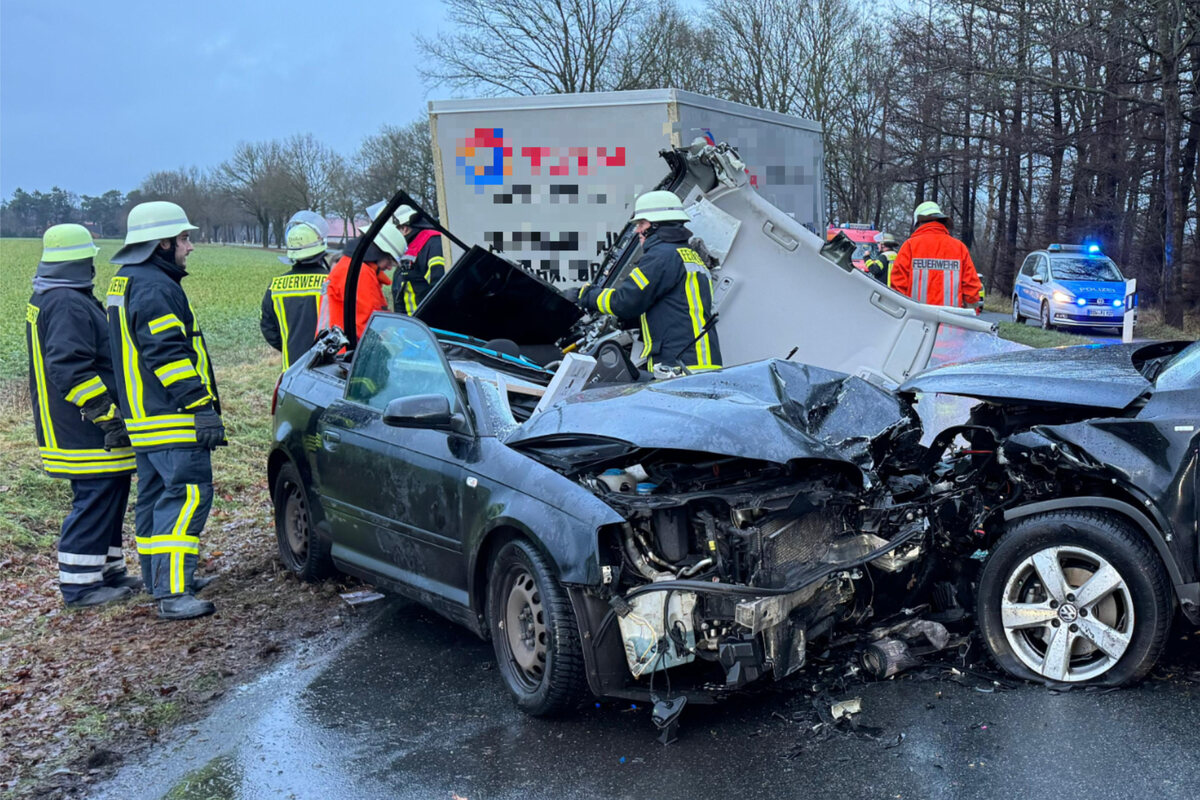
pixel 1044 316
pixel 302 549
pixel 1110 635
pixel 1016 310
pixel 534 632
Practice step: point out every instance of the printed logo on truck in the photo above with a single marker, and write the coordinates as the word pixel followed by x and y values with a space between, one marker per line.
pixel 488 144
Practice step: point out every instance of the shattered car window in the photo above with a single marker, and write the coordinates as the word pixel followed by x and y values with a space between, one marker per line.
pixel 397 358
pixel 1182 371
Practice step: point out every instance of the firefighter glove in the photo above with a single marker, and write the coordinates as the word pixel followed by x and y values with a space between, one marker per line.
pixel 210 433
pixel 115 435
pixel 103 412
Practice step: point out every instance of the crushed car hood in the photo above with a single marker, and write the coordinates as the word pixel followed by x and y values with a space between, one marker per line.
pixel 773 411
pixel 1090 376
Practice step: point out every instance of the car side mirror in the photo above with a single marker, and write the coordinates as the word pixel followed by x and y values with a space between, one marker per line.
pixel 1039 279
pixel 422 411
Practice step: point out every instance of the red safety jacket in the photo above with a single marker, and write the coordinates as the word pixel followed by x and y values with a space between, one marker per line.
pixel 370 294
pixel 935 268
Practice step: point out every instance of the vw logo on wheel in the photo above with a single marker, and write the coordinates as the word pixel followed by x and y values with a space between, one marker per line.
pixel 1068 612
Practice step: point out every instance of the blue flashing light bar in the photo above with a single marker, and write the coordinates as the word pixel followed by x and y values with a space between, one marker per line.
pixel 1093 248
pixel 1079 301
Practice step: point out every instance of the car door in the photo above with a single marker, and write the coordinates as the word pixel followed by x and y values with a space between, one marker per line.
pixel 1040 285
pixel 397 489
pixel 1025 284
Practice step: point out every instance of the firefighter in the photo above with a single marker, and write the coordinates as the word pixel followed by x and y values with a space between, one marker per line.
pixel 382 254
pixel 888 250
pixel 876 265
pixel 423 263
pixel 168 396
pixel 670 290
pixel 79 430
pixel 292 304
pixel 932 266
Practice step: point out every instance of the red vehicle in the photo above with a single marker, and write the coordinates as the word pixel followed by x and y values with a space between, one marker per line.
pixel 863 236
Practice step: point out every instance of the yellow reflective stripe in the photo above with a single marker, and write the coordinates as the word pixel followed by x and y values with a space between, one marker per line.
pixel 162 437
pixel 84 454
pixel 639 278
pixel 175 371
pixel 437 261
pixel 696 312
pixel 161 421
pixel 701 367
pixel 645 339
pixel 285 283
pixel 129 366
pixel 410 299
pixel 604 301
pixel 297 293
pixel 165 322
pixel 92 387
pixel 179 532
pixel 123 464
pixel 202 364
pixel 39 377
pixel 208 398
pixel 154 545
pixel 281 316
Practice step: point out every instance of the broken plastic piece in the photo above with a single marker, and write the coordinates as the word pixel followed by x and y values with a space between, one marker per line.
pixel 887 657
pixel 845 708
pixel 361 596
pixel 665 717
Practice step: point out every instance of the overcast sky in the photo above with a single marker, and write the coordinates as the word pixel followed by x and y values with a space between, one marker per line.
pixel 96 95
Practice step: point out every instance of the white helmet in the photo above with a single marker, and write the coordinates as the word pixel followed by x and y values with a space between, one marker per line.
pixel 148 224
pixel 660 206
pixel 391 241
pixel 401 216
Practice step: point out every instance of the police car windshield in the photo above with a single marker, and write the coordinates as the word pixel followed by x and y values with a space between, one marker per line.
pixel 1083 268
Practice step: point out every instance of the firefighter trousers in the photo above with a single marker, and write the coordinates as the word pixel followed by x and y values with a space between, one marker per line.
pixel 89 547
pixel 174 496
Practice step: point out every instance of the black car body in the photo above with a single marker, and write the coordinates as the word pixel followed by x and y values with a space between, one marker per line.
pixel 713 525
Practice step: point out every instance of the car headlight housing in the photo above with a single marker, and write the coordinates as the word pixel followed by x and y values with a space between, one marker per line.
pixel 1062 297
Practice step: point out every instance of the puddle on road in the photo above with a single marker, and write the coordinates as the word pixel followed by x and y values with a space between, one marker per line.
pixel 219 779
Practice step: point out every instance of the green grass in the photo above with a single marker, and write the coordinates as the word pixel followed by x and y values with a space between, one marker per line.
pixel 1036 337
pixel 225 285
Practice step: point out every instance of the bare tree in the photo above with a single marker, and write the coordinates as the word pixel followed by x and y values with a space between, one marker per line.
pixel 669 46
pixel 398 158
pixel 760 52
pixel 528 46
pixel 254 176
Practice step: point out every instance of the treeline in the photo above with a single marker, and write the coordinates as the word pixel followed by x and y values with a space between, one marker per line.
pixel 1031 121
pixel 249 197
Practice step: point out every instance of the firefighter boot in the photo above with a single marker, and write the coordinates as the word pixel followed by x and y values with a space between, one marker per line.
pixel 101 596
pixel 184 606
pixel 199 583
pixel 123 579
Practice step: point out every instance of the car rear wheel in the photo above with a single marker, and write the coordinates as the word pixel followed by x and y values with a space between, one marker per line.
pixel 534 632
pixel 1047 325
pixel 1074 597
pixel 301 549
pixel 1016 312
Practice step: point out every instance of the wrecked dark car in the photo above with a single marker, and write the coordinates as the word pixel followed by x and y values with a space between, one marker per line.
pixel 679 540
pixel 1084 466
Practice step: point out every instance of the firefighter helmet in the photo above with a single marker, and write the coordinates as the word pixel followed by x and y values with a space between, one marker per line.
pixel 304 236
pixel 889 239
pixel 69 242
pixel 404 215
pixel 146 226
pixel 660 206
pixel 391 241
pixel 929 209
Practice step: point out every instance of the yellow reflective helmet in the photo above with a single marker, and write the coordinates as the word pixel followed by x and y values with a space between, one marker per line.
pixel 928 209
pixel 660 206
pixel 150 222
pixel 67 242
pixel 304 236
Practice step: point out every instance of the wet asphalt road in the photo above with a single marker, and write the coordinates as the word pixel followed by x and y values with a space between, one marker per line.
pixel 412 707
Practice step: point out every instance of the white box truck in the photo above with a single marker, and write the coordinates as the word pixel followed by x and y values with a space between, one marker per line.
pixel 549 180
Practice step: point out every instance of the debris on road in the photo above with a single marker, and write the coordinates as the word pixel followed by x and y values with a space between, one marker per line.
pixel 361 596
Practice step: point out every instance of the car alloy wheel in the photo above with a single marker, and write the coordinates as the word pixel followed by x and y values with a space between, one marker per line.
pixel 1046 324
pixel 1067 614
pixel 1074 596
pixel 295 523
pixel 1016 310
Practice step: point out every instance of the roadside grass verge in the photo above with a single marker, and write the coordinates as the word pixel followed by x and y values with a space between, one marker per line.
pixel 1036 337
pixel 1150 325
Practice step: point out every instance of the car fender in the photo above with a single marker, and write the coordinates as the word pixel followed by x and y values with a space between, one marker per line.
pixel 1189 593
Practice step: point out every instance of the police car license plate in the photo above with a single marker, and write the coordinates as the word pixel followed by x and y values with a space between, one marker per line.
pixel 1099 312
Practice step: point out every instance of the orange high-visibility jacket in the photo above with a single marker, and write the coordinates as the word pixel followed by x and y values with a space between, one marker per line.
pixel 370 294
pixel 935 268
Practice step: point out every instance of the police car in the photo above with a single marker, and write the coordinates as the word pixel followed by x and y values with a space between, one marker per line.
pixel 1070 285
